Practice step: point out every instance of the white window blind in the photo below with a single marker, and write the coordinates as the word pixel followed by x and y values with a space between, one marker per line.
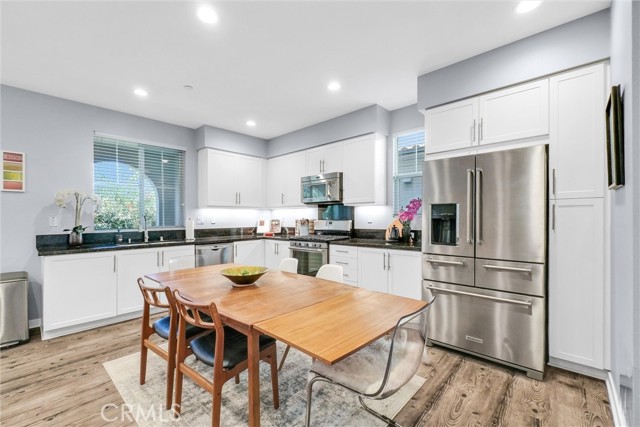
pixel 137 182
pixel 408 155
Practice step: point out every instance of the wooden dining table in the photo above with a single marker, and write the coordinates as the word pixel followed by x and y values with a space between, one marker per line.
pixel 326 320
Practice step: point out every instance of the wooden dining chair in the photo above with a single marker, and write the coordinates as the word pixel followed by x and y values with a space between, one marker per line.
pixel 380 369
pixel 166 328
pixel 225 351
pixel 328 272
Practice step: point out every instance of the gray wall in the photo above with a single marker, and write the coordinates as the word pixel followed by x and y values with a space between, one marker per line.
pixel 57 137
pixel 366 120
pixel 222 139
pixel 625 211
pixel 576 43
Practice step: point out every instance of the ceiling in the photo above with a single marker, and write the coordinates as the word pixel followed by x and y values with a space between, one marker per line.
pixel 268 61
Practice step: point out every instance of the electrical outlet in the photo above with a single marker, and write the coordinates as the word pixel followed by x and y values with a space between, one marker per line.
pixel 199 220
pixel 53 221
pixel 370 220
pixel 213 220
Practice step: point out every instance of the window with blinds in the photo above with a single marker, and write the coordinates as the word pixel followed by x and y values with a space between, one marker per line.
pixel 408 155
pixel 137 182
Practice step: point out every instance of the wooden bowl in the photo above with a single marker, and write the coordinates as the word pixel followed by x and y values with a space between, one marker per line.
pixel 244 275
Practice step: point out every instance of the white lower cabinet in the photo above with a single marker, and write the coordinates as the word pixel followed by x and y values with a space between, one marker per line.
pixel 77 289
pixel 347 258
pixel 87 290
pixel 274 252
pixel 249 253
pixel 576 281
pixel 391 271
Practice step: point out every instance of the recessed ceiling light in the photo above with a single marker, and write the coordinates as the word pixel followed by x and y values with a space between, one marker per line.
pixel 527 5
pixel 251 123
pixel 140 92
pixel 333 86
pixel 207 14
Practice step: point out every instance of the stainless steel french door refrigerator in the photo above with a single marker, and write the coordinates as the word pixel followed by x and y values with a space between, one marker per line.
pixel 484 255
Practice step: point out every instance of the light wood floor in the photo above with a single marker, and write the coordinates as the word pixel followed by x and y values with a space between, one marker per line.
pixel 62 382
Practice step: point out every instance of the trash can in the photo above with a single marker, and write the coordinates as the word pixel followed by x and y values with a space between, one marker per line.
pixel 14 317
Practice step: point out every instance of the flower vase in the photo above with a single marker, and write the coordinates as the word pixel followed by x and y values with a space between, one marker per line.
pixel 75 239
pixel 406 233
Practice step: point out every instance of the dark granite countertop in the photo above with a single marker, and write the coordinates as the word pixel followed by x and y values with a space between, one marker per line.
pixel 64 249
pixel 379 244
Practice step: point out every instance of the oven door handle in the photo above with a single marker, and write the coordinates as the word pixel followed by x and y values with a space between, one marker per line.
pixel 299 249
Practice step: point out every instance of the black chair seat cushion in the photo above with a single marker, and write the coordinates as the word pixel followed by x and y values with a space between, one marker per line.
pixel 161 326
pixel 235 347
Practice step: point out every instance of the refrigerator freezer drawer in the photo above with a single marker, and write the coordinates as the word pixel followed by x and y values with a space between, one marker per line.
pixel 518 277
pixel 498 325
pixel 448 269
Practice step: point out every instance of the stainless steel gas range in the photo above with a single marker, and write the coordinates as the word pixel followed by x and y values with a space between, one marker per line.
pixel 312 251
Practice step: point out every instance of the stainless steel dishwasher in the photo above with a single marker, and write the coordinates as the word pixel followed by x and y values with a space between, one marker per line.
pixel 214 254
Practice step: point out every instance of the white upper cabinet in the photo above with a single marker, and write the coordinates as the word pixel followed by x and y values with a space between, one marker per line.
pixel 229 179
pixel 451 126
pixel 576 160
pixel 283 180
pixel 514 113
pixel 505 115
pixel 324 159
pixel 364 170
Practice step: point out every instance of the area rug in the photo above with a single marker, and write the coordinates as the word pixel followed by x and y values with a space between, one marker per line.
pixel 332 406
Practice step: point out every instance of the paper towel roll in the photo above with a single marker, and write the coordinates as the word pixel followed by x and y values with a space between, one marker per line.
pixel 189 231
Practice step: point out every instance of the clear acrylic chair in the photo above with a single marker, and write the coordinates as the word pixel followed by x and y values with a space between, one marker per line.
pixel 290 265
pixel 380 369
pixel 328 272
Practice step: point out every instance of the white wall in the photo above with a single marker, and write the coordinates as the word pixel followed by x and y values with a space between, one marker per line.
pixel 625 211
pixel 56 136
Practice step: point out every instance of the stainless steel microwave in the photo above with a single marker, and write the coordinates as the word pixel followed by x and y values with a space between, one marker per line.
pixel 320 189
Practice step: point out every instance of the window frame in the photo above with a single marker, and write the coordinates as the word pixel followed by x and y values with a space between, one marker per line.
pixel 183 210
pixel 395 176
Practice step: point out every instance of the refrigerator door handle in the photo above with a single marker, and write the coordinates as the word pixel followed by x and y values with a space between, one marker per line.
pixel 507 300
pixel 470 179
pixel 440 261
pixel 478 228
pixel 505 268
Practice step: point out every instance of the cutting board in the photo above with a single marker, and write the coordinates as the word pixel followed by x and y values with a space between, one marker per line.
pixel 398 224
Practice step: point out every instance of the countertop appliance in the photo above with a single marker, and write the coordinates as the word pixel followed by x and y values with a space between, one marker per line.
pixel 14 319
pixel 214 254
pixel 322 189
pixel 312 251
pixel 484 255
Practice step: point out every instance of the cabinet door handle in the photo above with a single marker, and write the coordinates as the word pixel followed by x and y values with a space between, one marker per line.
pixel 388 261
pixel 384 261
pixel 323 166
pixel 553 217
pixel 473 131
pixel 341 263
pixel 320 165
pixel 553 181
pixel 239 198
pixel 282 198
pixel 342 252
pixel 163 258
pixel 158 258
pixel 481 129
pixel 235 249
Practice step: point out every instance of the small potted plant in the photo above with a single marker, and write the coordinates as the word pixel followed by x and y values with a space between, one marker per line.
pixel 66 196
pixel 406 215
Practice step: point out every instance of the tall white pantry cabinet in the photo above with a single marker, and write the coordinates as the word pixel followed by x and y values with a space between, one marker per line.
pixel 565 111
pixel 578 291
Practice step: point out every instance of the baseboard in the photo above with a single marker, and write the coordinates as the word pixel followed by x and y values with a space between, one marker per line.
pixel 619 419
pixel 35 323
pixel 600 374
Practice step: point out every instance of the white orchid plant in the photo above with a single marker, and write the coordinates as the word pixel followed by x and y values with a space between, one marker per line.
pixel 65 196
